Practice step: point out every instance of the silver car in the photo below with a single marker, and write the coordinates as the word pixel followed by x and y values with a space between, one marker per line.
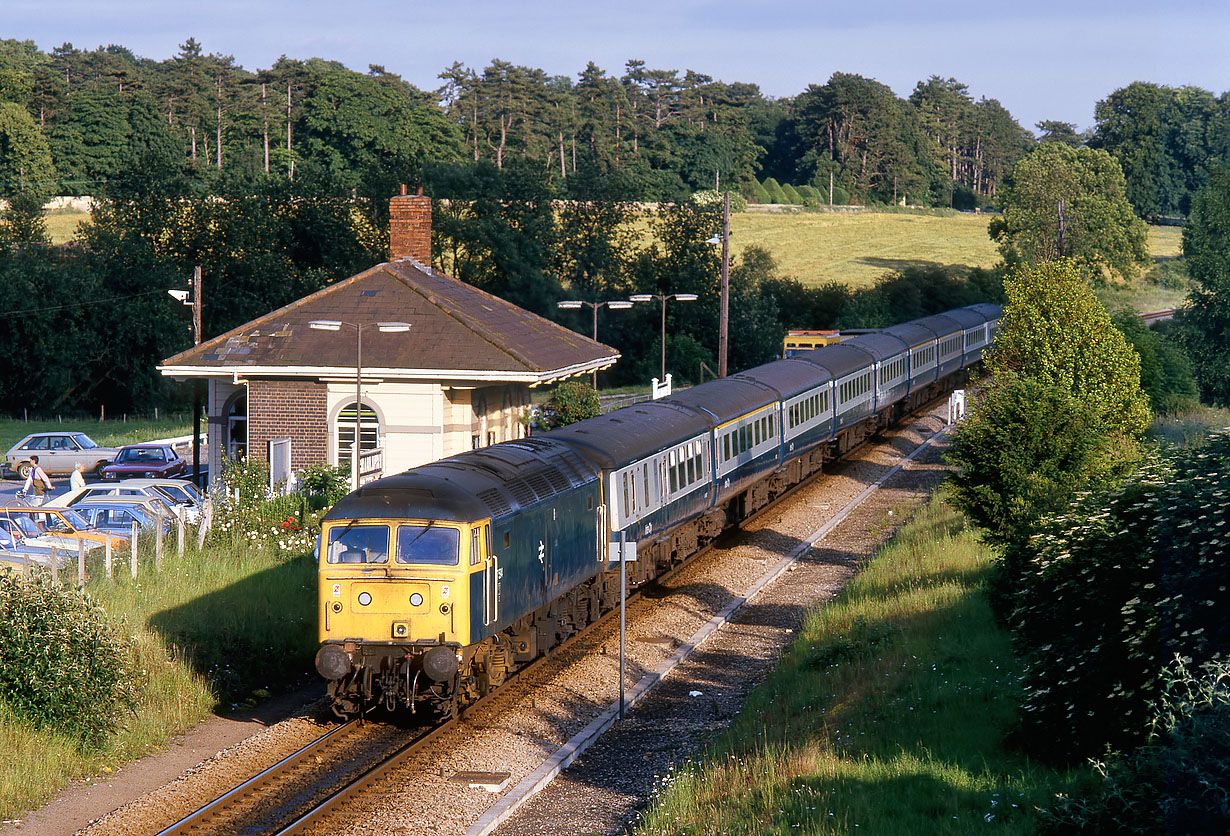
pixel 58 453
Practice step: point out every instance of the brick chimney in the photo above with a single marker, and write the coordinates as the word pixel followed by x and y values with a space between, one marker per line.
pixel 410 227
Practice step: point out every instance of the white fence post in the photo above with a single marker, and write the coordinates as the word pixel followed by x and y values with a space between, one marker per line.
pixel 107 554
pixel 179 529
pixel 133 558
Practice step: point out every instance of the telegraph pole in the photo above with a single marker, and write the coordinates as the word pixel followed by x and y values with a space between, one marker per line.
pixel 724 323
pixel 196 384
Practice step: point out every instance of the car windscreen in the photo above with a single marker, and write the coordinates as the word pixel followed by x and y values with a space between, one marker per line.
pixel 84 441
pixel 359 544
pixel 427 544
pixel 174 493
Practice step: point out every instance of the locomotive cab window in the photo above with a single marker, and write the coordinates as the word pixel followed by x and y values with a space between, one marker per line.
pixel 428 544
pixel 358 544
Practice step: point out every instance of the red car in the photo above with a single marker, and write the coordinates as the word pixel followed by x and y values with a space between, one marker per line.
pixel 145 461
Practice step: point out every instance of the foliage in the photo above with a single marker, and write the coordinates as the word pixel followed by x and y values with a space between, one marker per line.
pixel 1165 139
pixel 1204 326
pixel 324 484
pixel 62 665
pixel 245 510
pixel 1062 405
pixel 1178 781
pixel 1165 370
pixel 571 401
pixel 25 158
pixel 1105 595
pixel 1099 232
pixel 886 715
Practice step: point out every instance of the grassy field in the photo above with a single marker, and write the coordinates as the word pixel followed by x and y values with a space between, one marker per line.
pixel 62 226
pixel 887 716
pixel 856 249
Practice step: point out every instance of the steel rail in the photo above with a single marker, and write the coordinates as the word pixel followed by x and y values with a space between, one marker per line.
pixel 250 786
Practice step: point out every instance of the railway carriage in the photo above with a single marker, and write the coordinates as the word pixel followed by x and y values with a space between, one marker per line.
pixel 437 582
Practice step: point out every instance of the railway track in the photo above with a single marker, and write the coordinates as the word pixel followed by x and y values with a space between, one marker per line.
pixel 301 790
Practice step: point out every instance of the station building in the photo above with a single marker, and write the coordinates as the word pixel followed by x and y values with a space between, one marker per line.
pixel 458 378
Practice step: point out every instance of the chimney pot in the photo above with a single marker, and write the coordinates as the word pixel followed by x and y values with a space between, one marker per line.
pixel 420 191
pixel 403 188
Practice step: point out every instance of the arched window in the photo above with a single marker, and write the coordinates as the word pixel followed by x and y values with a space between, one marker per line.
pixel 369 430
pixel 237 428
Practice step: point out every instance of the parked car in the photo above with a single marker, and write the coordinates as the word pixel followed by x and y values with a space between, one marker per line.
pixel 16 551
pixel 117 514
pixel 175 492
pixel 58 453
pixel 59 528
pixel 149 461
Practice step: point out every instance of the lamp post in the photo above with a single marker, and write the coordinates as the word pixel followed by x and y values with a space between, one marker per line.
pixel 648 297
pixel 724 319
pixel 336 325
pixel 575 304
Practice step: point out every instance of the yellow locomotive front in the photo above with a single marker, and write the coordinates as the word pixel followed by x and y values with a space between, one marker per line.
pixel 394 608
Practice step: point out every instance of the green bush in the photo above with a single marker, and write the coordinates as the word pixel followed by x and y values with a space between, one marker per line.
pixel 324 484
pixel 62 666
pixel 246 510
pixel 774 190
pixel 1109 593
pixel 712 197
pixel 791 195
pixel 762 196
pixel 571 401
pixel 1179 781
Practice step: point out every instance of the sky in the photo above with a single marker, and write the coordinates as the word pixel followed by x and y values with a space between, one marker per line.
pixel 1042 59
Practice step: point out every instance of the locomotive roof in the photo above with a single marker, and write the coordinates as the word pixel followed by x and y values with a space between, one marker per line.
pixel 489 482
pixel 726 398
pixel 911 333
pixel 789 377
pixel 838 360
pixel 629 434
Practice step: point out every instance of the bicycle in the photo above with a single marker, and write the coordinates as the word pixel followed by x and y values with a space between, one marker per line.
pixel 22 500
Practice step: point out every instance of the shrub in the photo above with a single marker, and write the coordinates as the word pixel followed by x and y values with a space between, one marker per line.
pixel 245 510
pixel 791 195
pixel 712 197
pixel 324 484
pixel 62 666
pixel 1179 781
pixel 774 190
pixel 1109 593
pixel 572 401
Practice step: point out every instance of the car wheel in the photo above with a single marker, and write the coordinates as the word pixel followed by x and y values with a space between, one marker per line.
pixel 98 469
pixel 23 470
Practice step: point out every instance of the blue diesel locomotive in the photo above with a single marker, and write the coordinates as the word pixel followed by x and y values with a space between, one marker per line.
pixel 436 583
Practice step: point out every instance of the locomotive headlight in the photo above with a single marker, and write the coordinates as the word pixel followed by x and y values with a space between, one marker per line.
pixel 416 600
pixel 365 598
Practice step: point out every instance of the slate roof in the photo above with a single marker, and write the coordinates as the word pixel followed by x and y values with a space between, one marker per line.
pixel 458 332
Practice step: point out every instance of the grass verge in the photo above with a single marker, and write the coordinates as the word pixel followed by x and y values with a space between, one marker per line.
pixel 214 629
pixel 887 716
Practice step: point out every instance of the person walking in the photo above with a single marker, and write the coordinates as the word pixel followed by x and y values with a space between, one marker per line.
pixel 37 483
pixel 77 480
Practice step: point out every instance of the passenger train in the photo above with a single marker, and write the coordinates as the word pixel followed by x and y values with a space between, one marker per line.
pixel 436 583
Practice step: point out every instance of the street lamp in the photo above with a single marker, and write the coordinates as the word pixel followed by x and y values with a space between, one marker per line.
pixel 336 325
pixel 575 304
pixel 649 297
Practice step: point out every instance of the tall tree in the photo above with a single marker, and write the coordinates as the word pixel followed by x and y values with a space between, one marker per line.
pixel 1204 326
pixel 1061 407
pixel 1065 202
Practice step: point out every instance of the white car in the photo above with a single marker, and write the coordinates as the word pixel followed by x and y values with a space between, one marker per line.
pixel 175 492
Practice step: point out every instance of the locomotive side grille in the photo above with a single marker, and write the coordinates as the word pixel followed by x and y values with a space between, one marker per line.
pixel 521 492
pixel 540 485
pixel 569 460
pixel 559 484
pixel 495 501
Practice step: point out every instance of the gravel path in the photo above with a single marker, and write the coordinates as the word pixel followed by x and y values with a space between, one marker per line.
pixel 604 790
